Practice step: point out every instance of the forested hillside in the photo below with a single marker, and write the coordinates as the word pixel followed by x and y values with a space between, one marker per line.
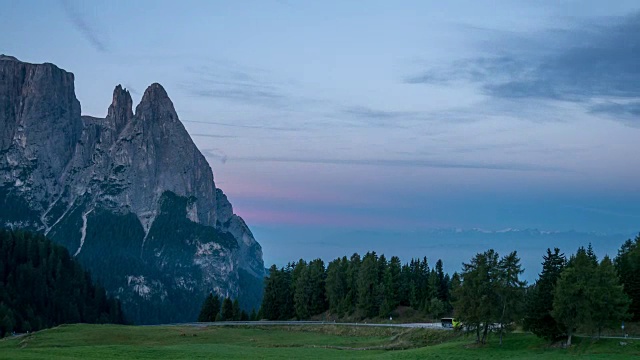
pixel 42 286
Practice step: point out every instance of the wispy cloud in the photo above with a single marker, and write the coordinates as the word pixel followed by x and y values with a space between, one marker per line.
pixel 79 22
pixel 215 136
pixel 626 111
pixel 417 163
pixel 244 126
pixel 586 62
pixel 215 153
pixel 131 89
pixel 233 82
pixel 367 116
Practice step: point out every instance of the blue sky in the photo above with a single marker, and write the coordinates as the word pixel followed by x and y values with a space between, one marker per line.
pixel 339 118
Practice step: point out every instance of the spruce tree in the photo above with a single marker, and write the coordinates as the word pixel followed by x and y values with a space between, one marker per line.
pixel 539 301
pixel 337 285
pixel 441 283
pixel 301 291
pixel 477 297
pixel 317 296
pixel 510 291
pixel 572 301
pixel 236 309
pixel 353 271
pixel 227 310
pixel 368 285
pixel 210 309
pixel 391 285
pixel 271 299
pixel 627 264
pixel 610 301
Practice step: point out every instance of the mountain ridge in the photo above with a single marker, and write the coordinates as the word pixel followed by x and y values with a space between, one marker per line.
pixel 66 173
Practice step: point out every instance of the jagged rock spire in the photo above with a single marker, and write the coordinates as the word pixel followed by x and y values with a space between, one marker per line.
pixel 121 108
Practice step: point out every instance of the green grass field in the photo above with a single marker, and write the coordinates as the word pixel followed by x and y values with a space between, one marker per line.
pixel 295 342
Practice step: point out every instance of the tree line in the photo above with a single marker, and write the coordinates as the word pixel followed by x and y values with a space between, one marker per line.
pixel 216 308
pixel 362 287
pixel 580 293
pixel 42 286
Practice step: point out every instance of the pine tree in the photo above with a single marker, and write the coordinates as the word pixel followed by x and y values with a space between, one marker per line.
pixel 336 285
pixel 368 285
pixel 477 297
pixel 210 309
pixel 227 310
pixel 435 308
pixel 301 291
pixel 317 296
pixel 627 264
pixel 391 285
pixel 270 298
pixel 277 302
pixel 572 304
pixel 610 300
pixel 236 310
pixel 441 283
pixel 405 284
pixel 285 293
pixel 539 302
pixel 510 291
pixel 353 271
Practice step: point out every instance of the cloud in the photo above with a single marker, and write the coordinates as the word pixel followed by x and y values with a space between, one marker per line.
pixel 214 136
pixel 82 26
pixel 233 82
pixel 244 126
pixel 626 111
pixel 367 116
pixel 594 60
pixel 369 113
pixel 403 163
pixel 216 154
pixel 132 90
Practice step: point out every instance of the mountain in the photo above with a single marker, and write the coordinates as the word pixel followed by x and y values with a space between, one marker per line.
pixel 129 195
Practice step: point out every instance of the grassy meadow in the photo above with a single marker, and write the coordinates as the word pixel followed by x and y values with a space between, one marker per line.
pixel 294 342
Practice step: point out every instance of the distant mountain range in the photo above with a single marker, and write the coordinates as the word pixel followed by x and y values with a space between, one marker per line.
pixel 129 195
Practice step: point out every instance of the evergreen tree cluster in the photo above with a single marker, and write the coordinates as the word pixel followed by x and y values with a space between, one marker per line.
pixel 578 294
pixel 627 264
pixel 365 287
pixel 490 293
pixel 42 286
pixel 216 308
pixel 588 295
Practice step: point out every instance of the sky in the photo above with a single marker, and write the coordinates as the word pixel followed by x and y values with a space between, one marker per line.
pixel 366 124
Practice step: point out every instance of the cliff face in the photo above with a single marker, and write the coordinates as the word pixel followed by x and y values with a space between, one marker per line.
pixel 129 195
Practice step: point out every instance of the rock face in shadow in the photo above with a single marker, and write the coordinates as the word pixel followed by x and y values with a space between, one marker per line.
pixel 130 195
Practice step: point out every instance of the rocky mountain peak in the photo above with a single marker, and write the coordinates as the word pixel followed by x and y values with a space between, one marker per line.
pixel 130 189
pixel 7 58
pixel 121 108
pixel 156 105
